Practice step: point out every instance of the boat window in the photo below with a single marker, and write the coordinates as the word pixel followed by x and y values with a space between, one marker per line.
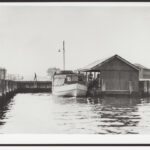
pixel 80 78
pixel 74 78
pixel 68 79
pixel 59 81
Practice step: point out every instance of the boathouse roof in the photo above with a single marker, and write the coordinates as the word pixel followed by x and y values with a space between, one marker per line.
pixel 93 66
pixel 141 66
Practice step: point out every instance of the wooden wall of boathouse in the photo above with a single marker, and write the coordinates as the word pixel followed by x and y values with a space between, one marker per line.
pixel 119 77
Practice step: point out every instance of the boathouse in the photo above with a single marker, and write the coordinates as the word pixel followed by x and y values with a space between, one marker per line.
pixel 116 76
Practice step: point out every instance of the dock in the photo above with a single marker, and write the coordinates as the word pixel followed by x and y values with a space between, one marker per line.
pixel 32 86
pixel 9 88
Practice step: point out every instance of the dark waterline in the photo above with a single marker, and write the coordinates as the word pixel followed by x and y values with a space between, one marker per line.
pixel 43 113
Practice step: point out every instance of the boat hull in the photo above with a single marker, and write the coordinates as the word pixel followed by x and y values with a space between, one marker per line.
pixel 70 90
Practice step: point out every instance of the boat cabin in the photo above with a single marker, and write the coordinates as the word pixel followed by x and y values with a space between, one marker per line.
pixel 68 77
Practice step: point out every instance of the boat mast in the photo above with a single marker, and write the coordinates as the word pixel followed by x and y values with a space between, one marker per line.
pixel 63 55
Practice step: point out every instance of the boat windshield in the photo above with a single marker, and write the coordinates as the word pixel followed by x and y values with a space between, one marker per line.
pixel 59 81
pixel 74 78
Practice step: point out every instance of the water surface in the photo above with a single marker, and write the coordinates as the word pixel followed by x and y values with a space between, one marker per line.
pixel 43 113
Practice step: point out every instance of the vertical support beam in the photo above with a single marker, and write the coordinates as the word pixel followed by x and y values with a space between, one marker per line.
pixel 94 75
pixel 86 78
pixel 148 87
pixel 130 87
pixel 99 81
pixel 145 87
pixel 3 86
pixel 103 85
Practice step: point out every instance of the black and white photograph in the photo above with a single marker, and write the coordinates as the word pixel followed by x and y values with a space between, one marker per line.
pixel 75 69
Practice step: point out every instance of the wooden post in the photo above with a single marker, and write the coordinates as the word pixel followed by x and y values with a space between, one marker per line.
pixel 86 78
pixel 103 86
pixel 145 87
pixel 148 87
pixel 99 81
pixel 94 75
pixel 130 87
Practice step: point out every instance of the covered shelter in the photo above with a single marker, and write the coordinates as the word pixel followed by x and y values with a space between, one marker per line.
pixel 144 79
pixel 144 72
pixel 116 75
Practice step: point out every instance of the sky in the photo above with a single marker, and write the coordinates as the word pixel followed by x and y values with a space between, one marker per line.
pixel 30 36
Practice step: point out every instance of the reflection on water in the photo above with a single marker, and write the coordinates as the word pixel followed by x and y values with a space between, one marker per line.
pixel 43 113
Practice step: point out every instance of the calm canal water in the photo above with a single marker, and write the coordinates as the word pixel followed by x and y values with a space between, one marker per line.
pixel 43 113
